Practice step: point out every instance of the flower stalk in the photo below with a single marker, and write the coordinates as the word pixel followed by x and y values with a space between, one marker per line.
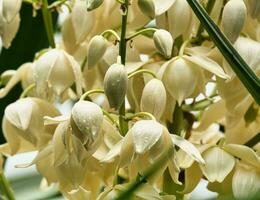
pixel 5 187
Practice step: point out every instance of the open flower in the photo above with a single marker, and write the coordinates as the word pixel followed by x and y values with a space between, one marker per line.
pixel 23 125
pixel 50 70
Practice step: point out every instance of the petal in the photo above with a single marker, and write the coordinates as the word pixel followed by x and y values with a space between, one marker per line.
pixel 218 164
pixel 207 64
pixel 243 152
pixel 113 153
pixel 246 183
pixel 55 120
pixel 162 6
pixel 193 176
pixel 145 134
pixel 19 113
pixel 188 147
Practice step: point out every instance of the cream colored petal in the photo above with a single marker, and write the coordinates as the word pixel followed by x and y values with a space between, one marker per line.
pixel 188 147
pixel 180 79
pixel 10 30
pixel 246 183
pixel 55 120
pixel 127 151
pixel 163 42
pixel 10 9
pixel 111 134
pixel 131 67
pixel 113 153
pixel 183 159
pixel 154 98
pixel 218 164
pixel 207 64
pixel 19 113
pixel 79 194
pixel 82 21
pixel 193 176
pixel 213 114
pixel 60 146
pixel 145 134
pixel 174 171
pixel 243 152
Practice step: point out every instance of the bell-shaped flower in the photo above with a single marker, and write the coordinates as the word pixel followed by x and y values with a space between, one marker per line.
pixel 23 120
pixel 233 19
pixel 86 122
pixel 163 42
pixel 8 30
pixel 96 50
pixel 154 98
pixel 50 70
pixel 177 19
pixel 10 9
pixel 115 85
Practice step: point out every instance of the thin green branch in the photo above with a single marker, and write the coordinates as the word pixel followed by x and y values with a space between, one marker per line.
pixel 141 32
pixel 88 93
pixel 110 32
pixel 142 71
pixel 122 52
pixel 47 18
pixel 141 114
pixel 5 187
pixel 27 90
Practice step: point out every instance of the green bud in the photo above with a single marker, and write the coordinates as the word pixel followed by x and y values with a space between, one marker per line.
pixel 163 42
pixel 147 7
pixel 93 4
pixel 115 85
pixel 96 50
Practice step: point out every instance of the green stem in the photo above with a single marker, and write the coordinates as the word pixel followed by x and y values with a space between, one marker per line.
pixel 142 71
pixel 141 114
pixel 122 52
pixel 151 170
pixel 5 187
pixel 110 32
pixel 95 91
pixel 27 90
pixel 183 46
pixel 47 18
pixel 110 117
pixel 141 32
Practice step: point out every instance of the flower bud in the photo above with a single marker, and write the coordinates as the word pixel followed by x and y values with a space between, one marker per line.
pixel 86 121
pixel 56 71
pixel 146 133
pixel 163 42
pixel 180 78
pixel 10 9
pixel 93 4
pixel 96 50
pixel 9 30
pixel 154 98
pixel 233 19
pixel 115 85
pixel 147 7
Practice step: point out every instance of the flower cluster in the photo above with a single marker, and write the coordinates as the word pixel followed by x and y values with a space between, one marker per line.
pixel 154 100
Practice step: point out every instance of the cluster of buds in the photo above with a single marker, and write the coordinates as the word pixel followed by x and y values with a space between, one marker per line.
pixel 153 101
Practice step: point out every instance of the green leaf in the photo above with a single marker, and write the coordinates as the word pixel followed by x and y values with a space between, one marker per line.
pixel 239 66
